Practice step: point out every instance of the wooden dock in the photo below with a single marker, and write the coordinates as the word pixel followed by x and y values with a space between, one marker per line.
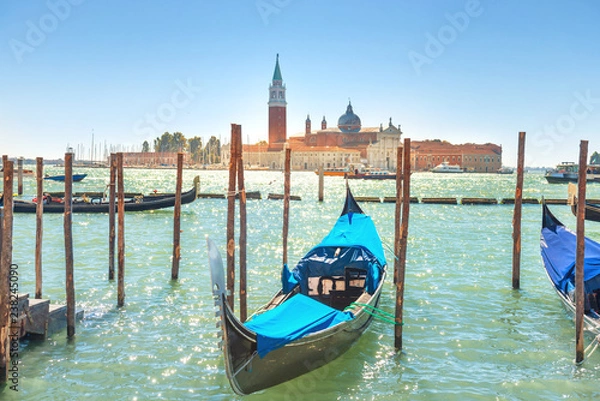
pixel 280 197
pixel 39 319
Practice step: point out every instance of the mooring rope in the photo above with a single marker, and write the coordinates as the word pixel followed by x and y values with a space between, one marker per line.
pixel 390 248
pixel 593 345
pixel 375 312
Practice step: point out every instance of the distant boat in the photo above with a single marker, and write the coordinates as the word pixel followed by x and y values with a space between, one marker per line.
pixel 447 168
pixel 76 177
pixel 373 174
pixel 505 170
pixel 347 171
pixel 569 172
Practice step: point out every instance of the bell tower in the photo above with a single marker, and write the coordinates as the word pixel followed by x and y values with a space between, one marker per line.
pixel 277 110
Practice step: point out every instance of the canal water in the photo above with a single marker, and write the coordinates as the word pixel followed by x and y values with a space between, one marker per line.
pixel 467 335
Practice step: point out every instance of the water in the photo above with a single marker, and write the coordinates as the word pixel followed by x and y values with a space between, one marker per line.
pixel 467 336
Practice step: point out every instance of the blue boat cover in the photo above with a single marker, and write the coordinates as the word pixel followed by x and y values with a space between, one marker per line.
pixel 355 230
pixel 295 318
pixel 352 242
pixel 558 246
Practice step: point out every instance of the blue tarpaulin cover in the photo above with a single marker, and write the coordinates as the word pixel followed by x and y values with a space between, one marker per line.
pixel 355 230
pixel 558 246
pixel 352 242
pixel 295 318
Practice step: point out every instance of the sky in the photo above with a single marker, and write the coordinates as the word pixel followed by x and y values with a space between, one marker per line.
pixel 91 74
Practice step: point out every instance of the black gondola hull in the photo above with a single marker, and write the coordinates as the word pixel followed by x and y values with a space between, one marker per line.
pixel 248 373
pixel 98 206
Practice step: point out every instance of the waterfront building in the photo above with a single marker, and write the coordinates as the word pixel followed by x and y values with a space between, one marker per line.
pixel 476 158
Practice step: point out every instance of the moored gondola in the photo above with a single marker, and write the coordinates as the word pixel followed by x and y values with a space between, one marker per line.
pixel 101 205
pixel 324 305
pixel 558 247
pixel 592 211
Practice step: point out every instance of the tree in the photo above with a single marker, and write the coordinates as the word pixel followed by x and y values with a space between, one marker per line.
pixel 195 149
pixel 212 151
pixel 178 143
pixel 145 147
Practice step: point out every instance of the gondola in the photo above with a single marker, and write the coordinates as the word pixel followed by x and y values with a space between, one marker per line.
pixel 61 177
pixel 324 305
pixel 101 205
pixel 558 245
pixel 592 210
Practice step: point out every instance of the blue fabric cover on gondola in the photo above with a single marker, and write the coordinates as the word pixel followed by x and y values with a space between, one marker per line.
pixel 295 318
pixel 352 242
pixel 558 246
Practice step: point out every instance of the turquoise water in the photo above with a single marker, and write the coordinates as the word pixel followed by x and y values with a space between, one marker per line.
pixel 467 336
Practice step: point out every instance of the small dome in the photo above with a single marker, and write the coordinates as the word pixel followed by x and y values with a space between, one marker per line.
pixel 349 122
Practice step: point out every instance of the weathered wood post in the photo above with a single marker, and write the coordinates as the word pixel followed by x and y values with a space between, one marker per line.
pixel 402 242
pixel 68 229
pixel 5 262
pixel 321 182
pixel 243 224
pixel 231 217
pixel 39 211
pixel 121 232
pixel 177 219
pixel 286 203
pixel 516 266
pixel 111 216
pixel 580 252
pixel 20 176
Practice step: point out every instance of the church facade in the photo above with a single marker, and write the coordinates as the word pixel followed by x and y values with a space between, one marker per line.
pixel 349 144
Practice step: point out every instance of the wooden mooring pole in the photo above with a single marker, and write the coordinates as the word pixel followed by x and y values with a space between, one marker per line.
pixel 68 230
pixel 231 217
pixel 401 242
pixel 5 264
pixel 20 176
pixel 111 216
pixel 516 262
pixel 243 224
pixel 286 203
pixel 321 182
pixel 121 232
pixel 39 212
pixel 580 253
pixel 177 219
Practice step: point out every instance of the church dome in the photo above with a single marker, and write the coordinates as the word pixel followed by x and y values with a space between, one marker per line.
pixel 349 122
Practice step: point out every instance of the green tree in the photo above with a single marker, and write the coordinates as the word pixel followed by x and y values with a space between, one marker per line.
pixel 178 143
pixel 195 149
pixel 145 147
pixel 212 151
pixel 164 143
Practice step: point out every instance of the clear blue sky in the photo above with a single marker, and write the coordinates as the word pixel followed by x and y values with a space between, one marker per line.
pixel 463 71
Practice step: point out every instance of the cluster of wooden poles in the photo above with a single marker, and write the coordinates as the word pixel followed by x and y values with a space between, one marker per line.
pixel 116 212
